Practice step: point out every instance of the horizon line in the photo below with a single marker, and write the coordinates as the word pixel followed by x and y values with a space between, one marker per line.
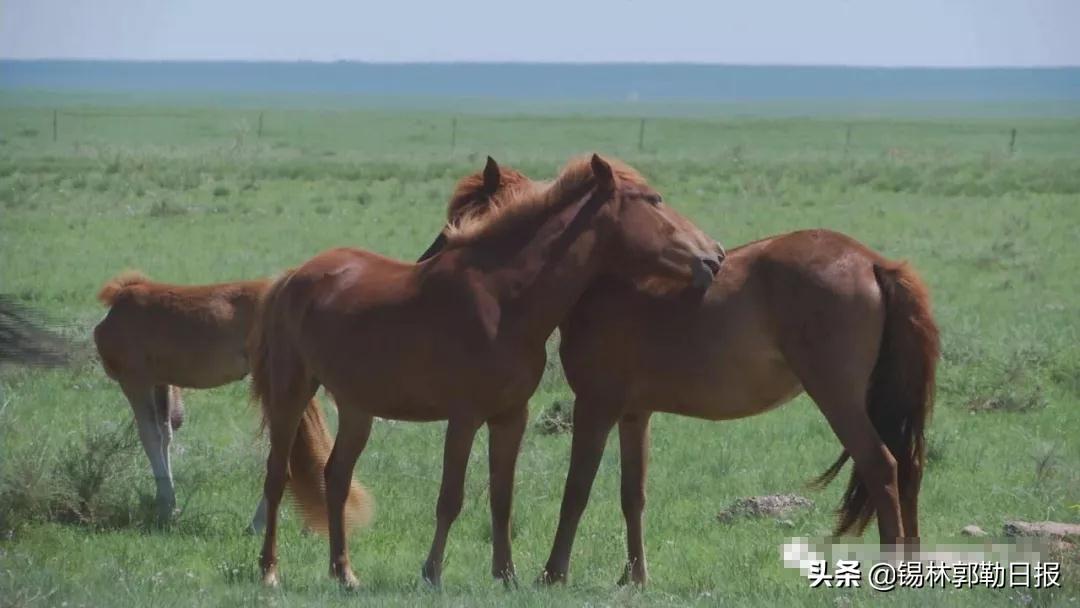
pixel 530 62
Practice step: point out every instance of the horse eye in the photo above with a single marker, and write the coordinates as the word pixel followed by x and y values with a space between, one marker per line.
pixel 654 199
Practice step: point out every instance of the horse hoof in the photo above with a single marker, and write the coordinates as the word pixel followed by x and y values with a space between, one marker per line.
pixel 508 577
pixel 343 574
pixel 549 578
pixel 430 576
pixel 349 582
pixel 270 579
pixel 166 515
pixel 633 576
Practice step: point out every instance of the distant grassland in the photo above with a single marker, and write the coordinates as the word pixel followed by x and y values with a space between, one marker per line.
pixel 193 194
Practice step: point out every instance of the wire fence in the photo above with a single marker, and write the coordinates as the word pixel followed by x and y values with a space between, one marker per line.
pixel 372 133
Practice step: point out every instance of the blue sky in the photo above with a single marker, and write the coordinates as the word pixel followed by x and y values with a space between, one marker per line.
pixel 834 32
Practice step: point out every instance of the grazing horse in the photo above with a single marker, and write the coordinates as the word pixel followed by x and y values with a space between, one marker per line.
pixel 811 310
pixel 459 337
pixel 24 341
pixel 158 337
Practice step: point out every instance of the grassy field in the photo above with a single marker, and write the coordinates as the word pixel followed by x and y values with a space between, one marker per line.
pixel 196 195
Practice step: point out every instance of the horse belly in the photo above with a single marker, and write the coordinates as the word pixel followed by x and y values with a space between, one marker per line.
pixel 197 355
pixel 389 388
pixel 198 369
pixel 408 411
pixel 416 401
pixel 733 392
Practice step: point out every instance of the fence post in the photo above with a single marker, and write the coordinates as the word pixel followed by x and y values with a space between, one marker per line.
pixel 54 125
pixel 1012 141
pixel 258 130
pixel 453 133
pixel 641 136
pixel 847 140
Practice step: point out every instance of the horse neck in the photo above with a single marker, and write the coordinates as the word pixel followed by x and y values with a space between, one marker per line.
pixel 537 283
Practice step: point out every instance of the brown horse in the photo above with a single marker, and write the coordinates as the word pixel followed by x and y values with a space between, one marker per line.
pixel 173 336
pixel 158 337
pixel 811 310
pixel 459 337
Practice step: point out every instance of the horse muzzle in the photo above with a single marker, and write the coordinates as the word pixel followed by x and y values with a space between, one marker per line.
pixel 704 271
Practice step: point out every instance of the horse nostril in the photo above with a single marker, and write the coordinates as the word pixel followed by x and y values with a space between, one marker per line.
pixel 712 265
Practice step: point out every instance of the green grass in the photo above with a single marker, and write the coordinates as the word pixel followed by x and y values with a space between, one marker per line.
pixel 198 196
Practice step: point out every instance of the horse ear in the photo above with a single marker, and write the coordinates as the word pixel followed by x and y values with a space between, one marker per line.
pixel 602 171
pixel 492 176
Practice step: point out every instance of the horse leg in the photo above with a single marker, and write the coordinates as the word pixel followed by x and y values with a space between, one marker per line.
pixel 459 439
pixel 354 428
pixel 909 512
pixel 285 421
pixel 875 466
pixel 504 444
pixel 591 428
pixel 842 399
pixel 634 447
pixel 150 404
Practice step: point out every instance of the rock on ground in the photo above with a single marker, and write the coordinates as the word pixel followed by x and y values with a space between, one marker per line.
pixel 1043 529
pixel 775 505
pixel 973 530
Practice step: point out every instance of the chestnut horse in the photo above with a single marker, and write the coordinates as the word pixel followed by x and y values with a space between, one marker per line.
pixel 811 310
pixel 460 337
pixel 158 337
pixel 170 336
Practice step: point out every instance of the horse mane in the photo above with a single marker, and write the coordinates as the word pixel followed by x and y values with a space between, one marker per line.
pixel 472 198
pixel 521 200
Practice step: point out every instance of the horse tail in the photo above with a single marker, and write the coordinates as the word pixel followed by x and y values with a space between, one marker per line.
pixel 901 393
pixel 276 371
pixel 111 289
pixel 307 462
pixel 264 344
